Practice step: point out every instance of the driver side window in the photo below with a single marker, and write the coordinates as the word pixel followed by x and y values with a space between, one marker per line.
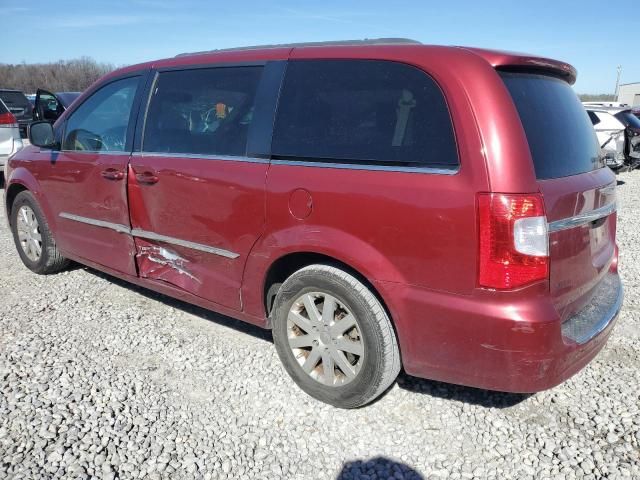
pixel 100 124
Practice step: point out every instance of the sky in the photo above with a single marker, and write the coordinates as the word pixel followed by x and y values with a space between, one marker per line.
pixel 588 34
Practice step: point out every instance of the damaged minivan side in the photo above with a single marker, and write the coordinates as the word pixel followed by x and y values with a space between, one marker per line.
pixel 378 205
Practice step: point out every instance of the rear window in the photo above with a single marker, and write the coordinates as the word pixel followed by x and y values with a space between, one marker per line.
pixel 14 99
pixel 363 112
pixel 3 109
pixel 560 134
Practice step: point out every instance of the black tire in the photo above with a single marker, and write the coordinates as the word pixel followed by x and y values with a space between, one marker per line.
pixel 381 360
pixel 50 261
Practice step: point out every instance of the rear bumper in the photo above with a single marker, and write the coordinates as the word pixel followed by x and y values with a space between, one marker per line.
pixel 496 343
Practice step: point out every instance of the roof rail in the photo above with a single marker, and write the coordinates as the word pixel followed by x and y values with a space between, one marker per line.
pixel 366 41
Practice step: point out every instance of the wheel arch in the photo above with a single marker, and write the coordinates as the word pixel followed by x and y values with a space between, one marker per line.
pixel 284 266
pixel 22 179
pixel 12 192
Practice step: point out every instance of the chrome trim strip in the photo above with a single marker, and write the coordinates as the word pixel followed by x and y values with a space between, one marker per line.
pixel 136 232
pixel 606 319
pixel 582 218
pixel 196 156
pixel 96 152
pixel 96 223
pixel 386 168
pixel 301 163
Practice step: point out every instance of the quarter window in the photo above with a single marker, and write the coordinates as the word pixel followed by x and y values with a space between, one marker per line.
pixel 101 123
pixel 363 111
pixel 202 111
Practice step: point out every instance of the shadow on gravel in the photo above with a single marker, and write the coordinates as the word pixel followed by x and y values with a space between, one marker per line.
pixel 473 396
pixel 378 467
pixel 238 325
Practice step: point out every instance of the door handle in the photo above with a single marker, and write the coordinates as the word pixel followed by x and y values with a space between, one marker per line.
pixel 147 177
pixel 112 174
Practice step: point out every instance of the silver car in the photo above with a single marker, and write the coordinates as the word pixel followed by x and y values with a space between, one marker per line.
pixel 10 141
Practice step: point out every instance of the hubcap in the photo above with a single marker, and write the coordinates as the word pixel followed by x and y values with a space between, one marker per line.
pixel 29 233
pixel 325 338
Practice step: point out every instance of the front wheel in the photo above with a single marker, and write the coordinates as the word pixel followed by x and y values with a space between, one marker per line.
pixel 32 236
pixel 334 337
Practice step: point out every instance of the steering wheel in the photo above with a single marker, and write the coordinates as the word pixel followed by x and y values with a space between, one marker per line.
pixel 113 140
pixel 84 140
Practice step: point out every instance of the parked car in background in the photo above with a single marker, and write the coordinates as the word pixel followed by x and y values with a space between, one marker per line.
pixel 378 206
pixel 19 106
pixel 618 131
pixel 605 104
pixel 610 133
pixel 10 141
pixel 49 106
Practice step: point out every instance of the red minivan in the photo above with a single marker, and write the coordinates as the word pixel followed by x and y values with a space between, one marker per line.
pixel 378 205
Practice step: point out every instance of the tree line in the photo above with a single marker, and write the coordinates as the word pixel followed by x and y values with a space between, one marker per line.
pixel 601 97
pixel 76 75
pixel 62 76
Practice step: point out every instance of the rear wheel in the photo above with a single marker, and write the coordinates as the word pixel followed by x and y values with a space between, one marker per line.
pixel 32 236
pixel 334 337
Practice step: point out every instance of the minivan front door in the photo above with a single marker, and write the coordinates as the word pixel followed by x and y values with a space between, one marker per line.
pixel 197 200
pixel 85 182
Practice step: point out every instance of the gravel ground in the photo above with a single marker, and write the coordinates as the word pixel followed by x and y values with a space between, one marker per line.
pixel 99 379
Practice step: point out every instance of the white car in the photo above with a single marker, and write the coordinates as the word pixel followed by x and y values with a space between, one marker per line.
pixel 603 104
pixel 10 141
pixel 611 137
pixel 618 131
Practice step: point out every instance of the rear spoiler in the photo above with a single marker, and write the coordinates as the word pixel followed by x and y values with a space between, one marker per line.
pixel 522 62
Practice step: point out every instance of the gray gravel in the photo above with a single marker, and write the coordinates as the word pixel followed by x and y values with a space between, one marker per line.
pixel 99 379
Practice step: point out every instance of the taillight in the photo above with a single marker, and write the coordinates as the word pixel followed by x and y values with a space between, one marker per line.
pixel 8 120
pixel 514 240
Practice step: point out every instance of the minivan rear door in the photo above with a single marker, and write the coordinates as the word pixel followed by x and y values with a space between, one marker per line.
pixel 579 193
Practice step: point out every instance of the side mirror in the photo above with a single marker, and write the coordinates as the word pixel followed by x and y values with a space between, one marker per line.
pixel 41 135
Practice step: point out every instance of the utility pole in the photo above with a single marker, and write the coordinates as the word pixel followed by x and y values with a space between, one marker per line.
pixel 618 81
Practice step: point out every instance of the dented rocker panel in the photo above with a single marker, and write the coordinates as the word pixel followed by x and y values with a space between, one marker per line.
pixel 161 263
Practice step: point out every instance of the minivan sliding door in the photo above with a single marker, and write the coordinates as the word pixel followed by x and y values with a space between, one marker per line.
pixel 197 198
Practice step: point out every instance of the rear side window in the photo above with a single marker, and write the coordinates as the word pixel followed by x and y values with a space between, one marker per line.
pixel 202 111
pixel 3 109
pixel 363 112
pixel 559 131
